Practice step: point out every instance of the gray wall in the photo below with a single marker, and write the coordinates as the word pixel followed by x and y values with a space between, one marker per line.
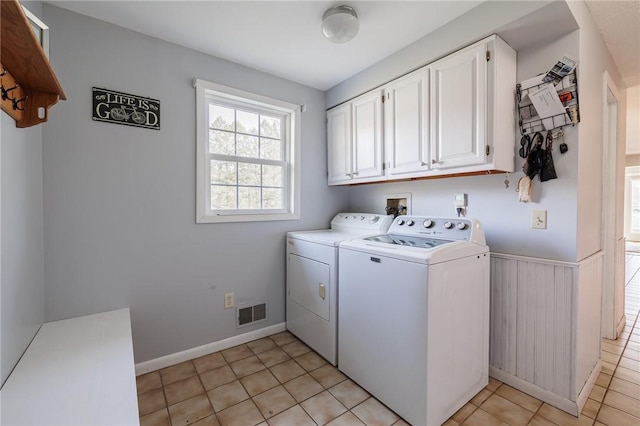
pixel 507 222
pixel 21 237
pixel 119 202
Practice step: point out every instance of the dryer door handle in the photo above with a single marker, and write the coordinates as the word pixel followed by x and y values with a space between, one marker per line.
pixel 321 290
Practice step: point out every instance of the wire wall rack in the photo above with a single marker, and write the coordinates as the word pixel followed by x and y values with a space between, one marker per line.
pixel 528 119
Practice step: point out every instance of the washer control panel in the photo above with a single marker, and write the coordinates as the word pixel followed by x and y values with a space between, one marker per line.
pixel 458 229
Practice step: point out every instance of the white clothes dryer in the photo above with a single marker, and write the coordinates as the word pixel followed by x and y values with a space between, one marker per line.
pixel 312 278
pixel 414 315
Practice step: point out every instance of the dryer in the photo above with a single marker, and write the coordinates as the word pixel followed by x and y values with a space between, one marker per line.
pixel 312 278
pixel 414 315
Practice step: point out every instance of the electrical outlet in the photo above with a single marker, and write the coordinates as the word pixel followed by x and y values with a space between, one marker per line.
pixel 539 219
pixel 228 300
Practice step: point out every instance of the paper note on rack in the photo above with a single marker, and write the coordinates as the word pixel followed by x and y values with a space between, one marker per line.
pixel 547 104
pixel 560 70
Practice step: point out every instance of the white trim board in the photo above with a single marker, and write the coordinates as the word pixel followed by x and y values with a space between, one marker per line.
pixel 209 348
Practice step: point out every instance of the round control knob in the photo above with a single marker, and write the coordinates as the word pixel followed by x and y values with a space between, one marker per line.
pixel 448 225
pixel 410 222
pixel 374 219
pixel 361 217
pixel 400 222
pixel 461 226
pixel 427 223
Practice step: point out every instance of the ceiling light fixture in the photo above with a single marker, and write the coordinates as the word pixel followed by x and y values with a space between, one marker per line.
pixel 340 24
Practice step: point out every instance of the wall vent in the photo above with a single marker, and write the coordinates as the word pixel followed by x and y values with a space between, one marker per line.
pixel 251 314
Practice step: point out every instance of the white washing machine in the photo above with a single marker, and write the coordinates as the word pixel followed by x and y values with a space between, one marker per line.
pixel 414 315
pixel 312 278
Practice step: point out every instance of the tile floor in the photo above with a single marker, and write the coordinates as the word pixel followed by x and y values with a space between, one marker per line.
pixel 279 381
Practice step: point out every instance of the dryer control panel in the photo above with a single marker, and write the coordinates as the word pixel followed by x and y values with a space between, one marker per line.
pixel 361 221
pixel 453 229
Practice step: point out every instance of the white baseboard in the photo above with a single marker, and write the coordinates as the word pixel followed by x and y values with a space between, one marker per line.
pixel 621 324
pixel 178 357
pixel 588 386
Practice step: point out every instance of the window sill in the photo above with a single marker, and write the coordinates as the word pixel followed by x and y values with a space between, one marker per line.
pixel 230 218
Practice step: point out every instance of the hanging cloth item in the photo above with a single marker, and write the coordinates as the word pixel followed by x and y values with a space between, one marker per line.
pixel 535 157
pixel 548 170
pixel 524 189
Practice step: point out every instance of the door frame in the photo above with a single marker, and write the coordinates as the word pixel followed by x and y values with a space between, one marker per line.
pixel 613 210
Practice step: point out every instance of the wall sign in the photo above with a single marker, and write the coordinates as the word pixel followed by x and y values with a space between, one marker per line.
pixel 123 108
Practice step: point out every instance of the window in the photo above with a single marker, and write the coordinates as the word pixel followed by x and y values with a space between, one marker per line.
pixel 247 166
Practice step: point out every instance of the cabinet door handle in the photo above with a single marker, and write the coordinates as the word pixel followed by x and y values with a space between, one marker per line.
pixel 349 174
pixel 355 173
pixel 435 162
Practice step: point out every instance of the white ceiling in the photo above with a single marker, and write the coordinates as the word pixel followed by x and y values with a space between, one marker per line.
pixel 284 37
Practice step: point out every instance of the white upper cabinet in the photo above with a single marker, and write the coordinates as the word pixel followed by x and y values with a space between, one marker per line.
pixel 367 136
pixel 339 144
pixel 407 125
pixel 459 108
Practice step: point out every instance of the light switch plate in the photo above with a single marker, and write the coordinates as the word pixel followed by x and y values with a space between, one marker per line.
pixel 539 219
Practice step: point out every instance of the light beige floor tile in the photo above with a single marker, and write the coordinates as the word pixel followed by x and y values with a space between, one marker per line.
pixel 617 342
pixel 247 366
pixel 493 384
pixel 227 395
pixel 261 345
pixel 628 375
pixel 506 410
pixel 522 399
pixel 323 407
pixel 303 387
pixel 559 417
pixel 482 418
pixel 403 423
pixel 177 372
pixel 243 414
pixel 283 338
pixel 190 411
pixel 273 356
pixel 623 402
pixel 597 393
pixel 149 381
pixel 294 416
pixel 614 417
pixel 209 362
pixel 236 353
pixel 213 378
pixel 631 364
pixel 450 422
pixel 540 421
pixel 328 376
pixel 614 349
pixel 625 387
pixel 634 338
pixel 347 419
pixel 157 418
pixel 633 346
pixel 464 412
pixel 603 380
pixel 259 382
pixel 295 349
pixel 373 413
pixel 349 393
pixel 608 368
pixel 591 408
pixel 310 361
pixel 151 401
pixel 212 420
pixel 631 354
pixel 481 397
pixel 274 401
pixel 610 357
pixel 183 389
pixel 287 370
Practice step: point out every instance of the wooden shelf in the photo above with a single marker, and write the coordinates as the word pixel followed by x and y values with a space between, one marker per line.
pixel 25 64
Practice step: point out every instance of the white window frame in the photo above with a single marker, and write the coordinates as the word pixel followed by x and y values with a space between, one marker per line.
pixel 206 91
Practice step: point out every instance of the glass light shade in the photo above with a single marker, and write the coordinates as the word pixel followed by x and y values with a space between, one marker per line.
pixel 340 24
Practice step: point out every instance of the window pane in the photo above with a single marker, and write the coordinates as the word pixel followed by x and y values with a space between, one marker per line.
pixel 223 172
pixel 270 127
pixel 247 122
pixel 247 146
pixel 272 176
pixel 271 198
pixel 221 142
pixel 221 117
pixel 271 149
pixel 223 197
pixel 248 198
pixel 249 174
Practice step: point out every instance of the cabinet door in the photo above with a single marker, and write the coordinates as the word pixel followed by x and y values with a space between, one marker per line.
pixel 459 108
pixel 406 112
pixel 339 144
pixel 367 135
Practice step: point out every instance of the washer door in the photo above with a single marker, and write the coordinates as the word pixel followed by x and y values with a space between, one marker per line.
pixel 309 284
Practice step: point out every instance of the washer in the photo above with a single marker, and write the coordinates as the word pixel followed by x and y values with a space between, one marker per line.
pixel 312 278
pixel 414 315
